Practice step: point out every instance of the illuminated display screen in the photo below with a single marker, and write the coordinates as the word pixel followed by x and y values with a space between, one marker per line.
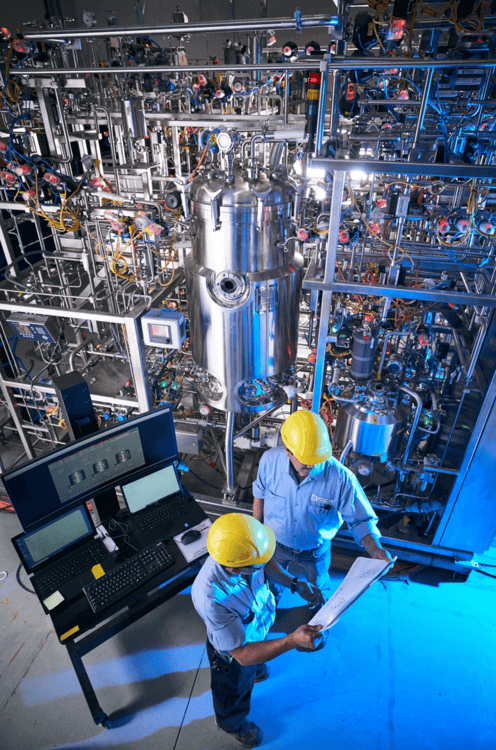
pixel 94 466
pixel 76 472
pixel 150 489
pixel 160 330
pixel 55 536
pixel 21 329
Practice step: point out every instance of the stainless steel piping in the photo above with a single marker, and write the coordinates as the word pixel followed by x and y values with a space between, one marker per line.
pixel 229 453
pixel 111 141
pixel 63 123
pixel 335 63
pixel 347 448
pixel 190 28
pixel 419 403
pixel 241 69
pixel 384 348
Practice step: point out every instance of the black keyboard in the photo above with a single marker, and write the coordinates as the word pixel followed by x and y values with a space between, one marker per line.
pixel 50 580
pixel 160 516
pixel 128 576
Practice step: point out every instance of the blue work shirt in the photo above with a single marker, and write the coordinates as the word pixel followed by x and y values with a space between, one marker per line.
pixel 307 514
pixel 236 609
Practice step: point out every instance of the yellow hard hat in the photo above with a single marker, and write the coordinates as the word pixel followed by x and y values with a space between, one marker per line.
pixel 236 539
pixel 305 435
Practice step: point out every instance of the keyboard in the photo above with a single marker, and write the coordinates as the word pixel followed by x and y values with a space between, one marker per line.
pixel 128 576
pixel 160 516
pixel 50 580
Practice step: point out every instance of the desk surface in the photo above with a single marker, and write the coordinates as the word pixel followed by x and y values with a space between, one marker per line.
pixel 73 618
pixel 76 617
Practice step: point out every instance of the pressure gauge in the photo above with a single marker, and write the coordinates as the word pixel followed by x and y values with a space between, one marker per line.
pixel 88 18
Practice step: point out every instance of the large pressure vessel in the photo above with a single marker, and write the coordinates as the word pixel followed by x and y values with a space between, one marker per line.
pixel 243 284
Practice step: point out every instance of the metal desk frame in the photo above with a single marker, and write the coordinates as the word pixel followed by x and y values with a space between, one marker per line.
pixel 114 624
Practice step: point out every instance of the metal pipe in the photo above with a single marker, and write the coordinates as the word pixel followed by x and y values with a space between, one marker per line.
pixel 110 139
pixel 256 421
pixel 418 400
pixel 429 295
pixel 335 63
pixel 459 351
pixel 384 348
pixel 121 198
pixel 63 123
pixel 347 449
pixel 476 350
pixel 241 69
pixel 423 106
pixel 431 169
pixel 75 351
pixel 319 130
pixel 230 489
pixel 191 28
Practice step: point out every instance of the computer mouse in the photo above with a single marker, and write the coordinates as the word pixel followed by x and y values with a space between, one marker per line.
pixel 190 536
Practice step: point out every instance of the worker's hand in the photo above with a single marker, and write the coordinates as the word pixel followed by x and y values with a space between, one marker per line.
pixel 305 635
pixel 310 593
pixel 381 554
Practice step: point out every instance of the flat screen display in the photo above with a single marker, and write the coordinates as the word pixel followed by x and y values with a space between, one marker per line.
pixel 97 464
pixel 50 538
pixel 150 489
pixel 74 473
pixel 161 330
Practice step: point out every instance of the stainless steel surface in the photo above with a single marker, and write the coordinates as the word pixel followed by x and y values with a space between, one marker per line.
pixel 230 488
pixel 374 425
pixel 418 401
pixel 191 28
pixel 244 286
pixel 311 281
pixel 133 117
pixel 481 171
pixel 393 220
pixel 189 438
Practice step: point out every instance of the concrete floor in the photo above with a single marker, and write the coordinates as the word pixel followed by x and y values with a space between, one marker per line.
pixel 411 665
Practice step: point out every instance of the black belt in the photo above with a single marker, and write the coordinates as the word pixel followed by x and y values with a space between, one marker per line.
pixel 228 659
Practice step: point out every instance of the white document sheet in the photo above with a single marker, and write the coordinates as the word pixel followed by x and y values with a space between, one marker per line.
pixel 361 575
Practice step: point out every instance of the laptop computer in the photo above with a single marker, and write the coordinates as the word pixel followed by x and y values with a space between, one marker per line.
pixel 159 507
pixel 62 555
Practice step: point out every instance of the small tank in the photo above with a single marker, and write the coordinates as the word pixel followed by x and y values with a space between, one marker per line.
pixel 375 424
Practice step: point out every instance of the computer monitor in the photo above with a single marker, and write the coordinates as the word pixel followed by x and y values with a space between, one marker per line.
pixel 54 536
pixel 76 472
pixel 142 492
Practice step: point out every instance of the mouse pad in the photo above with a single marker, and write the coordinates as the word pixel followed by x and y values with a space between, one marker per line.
pixel 197 548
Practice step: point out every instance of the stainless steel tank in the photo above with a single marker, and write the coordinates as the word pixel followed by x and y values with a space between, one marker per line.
pixel 243 286
pixel 374 425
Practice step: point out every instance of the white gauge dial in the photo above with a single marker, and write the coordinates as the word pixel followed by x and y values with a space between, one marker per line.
pixel 88 18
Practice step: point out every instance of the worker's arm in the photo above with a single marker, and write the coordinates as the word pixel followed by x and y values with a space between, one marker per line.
pixel 373 546
pixel 307 591
pixel 261 651
pixel 258 509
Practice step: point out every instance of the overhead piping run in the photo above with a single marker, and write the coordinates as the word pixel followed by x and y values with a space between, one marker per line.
pixel 429 169
pixel 357 63
pixel 190 28
pixel 37 72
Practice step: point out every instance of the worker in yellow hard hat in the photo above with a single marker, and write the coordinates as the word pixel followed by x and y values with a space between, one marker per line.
pixel 304 494
pixel 231 594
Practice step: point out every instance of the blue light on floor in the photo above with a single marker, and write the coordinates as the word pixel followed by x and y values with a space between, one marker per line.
pixel 136 667
pixel 408 667
pixel 144 723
